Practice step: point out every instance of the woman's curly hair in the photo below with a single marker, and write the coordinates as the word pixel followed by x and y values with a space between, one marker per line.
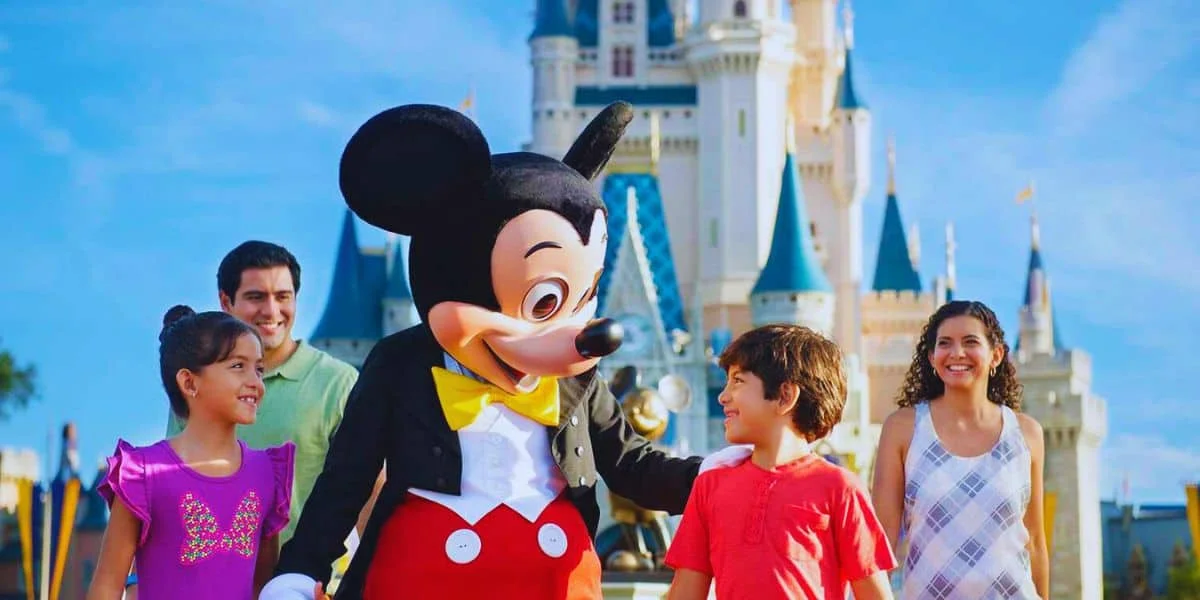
pixel 922 383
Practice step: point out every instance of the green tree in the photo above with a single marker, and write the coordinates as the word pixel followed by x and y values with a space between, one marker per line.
pixel 16 384
pixel 1183 576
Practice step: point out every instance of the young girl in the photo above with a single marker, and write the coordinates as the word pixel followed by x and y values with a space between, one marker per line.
pixel 959 471
pixel 200 511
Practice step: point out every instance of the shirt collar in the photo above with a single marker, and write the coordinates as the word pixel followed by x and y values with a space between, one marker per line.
pixel 298 364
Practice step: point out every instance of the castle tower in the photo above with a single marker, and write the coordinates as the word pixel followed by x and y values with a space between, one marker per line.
pixel 948 282
pixel 399 311
pixel 350 323
pixel 850 135
pixel 896 308
pixel 818 58
pixel 1058 394
pixel 792 287
pixel 1038 331
pixel 741 54
pixel 554 51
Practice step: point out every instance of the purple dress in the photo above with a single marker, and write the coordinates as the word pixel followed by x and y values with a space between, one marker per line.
pixel 200 535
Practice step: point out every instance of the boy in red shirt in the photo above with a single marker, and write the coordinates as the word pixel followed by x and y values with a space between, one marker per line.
pixel 786 523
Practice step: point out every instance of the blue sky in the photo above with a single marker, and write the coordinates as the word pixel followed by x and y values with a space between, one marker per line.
pixel 139 144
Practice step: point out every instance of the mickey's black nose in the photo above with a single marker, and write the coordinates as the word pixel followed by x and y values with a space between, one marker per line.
pixel 601 337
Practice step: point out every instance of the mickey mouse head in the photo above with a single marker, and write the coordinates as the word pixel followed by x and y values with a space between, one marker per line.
pixel 507 249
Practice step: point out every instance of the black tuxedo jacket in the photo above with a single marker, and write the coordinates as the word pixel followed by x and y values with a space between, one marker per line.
pixel 393 413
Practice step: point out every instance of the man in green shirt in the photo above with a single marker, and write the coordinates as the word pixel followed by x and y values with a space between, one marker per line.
pixel 306 389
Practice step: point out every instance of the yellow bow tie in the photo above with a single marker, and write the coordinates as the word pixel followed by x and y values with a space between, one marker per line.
pixel 463 398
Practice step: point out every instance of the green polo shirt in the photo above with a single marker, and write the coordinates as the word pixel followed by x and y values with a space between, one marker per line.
pixel 304 400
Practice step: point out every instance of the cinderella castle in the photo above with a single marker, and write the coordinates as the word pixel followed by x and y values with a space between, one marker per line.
pixel 736 199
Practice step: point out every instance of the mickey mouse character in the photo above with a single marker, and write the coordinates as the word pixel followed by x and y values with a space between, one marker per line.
pixel 490 415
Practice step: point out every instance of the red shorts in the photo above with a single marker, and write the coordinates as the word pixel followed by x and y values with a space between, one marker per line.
pixel 426 550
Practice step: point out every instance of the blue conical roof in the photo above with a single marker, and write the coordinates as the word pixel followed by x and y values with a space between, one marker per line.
pixel 1037 269
pixel 551 20
pixel 792 264
pixel 846 98
pixel 347 313
pixel 894 270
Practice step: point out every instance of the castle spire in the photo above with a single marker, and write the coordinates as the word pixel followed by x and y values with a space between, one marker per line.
pixel 792 287
pixel 848 24
pixel 346 316
pixel 551 19
pixel 951 269
pixel 68 465
pixel 891 165
pixel 1039 327
pixel 846 98
pixel 895 264
pixel 792 264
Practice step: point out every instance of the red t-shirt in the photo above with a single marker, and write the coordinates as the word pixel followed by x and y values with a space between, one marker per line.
pixel 804 529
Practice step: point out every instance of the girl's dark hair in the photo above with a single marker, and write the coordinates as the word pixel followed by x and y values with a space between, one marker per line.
pixel 193 341
pixel 922 383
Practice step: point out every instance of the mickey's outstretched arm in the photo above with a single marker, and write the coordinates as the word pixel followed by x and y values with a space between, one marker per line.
pixel 351 470
pixel 630 464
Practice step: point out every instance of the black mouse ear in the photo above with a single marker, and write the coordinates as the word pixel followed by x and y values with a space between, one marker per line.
pixel 408 166
pixel 596 144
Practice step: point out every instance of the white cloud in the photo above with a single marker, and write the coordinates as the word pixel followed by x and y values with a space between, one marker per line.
pixel 1127 49
pixel 317 114
pixel 30 115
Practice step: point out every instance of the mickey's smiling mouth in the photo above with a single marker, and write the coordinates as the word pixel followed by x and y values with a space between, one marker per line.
pixel 524 382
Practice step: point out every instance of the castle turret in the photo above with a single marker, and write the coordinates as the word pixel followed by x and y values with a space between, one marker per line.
pixel 1057 392
pixel 792 287
pixel 815 76
pixel 68 464
pixel 554 53
pixel 741 54
pixel 894 268
pixel 399 311
pixel 896 308
pixel 1038 332
pixel 850 134
pixel 350 323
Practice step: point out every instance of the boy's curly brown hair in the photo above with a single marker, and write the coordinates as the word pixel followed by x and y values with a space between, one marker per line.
pixel 798 355
pixel 922 384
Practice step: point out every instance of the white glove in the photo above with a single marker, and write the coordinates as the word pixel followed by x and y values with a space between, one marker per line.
pixel 730 456
pixel 289 586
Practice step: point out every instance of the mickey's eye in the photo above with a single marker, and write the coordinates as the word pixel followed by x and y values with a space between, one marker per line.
pixel 543 300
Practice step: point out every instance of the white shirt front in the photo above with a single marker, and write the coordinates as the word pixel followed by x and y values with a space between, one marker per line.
pixel 506 460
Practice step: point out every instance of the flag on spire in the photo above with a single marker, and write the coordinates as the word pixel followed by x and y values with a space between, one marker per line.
pixel 467 106
pixel 1025 194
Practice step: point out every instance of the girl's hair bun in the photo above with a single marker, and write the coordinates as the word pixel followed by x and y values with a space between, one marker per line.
pixel 174 315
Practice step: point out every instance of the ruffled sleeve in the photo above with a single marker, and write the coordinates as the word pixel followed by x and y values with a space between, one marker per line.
pixel 126 479
pixel 283 461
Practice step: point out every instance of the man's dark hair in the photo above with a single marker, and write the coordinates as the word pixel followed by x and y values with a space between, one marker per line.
pixel 254 255
pixel 779 354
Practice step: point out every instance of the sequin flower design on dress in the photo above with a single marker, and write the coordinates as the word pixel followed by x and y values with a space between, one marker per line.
pixel 204 535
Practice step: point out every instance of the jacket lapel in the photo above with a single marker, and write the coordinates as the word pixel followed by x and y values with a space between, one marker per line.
pixel 422 402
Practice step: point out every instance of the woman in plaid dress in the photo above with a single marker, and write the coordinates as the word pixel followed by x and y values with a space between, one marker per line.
pixel 958 475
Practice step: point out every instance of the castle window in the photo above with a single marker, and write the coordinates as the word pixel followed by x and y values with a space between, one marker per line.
pixel 623 12
pixel 739 9
pixel 741 123
pixel 622 61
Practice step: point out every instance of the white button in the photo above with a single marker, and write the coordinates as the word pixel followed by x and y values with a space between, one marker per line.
pixel 463 546
pixel 552 540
